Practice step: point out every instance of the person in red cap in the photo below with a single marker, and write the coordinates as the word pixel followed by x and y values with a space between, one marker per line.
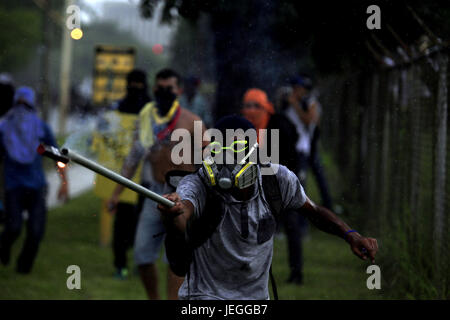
pixel 257 109
pixel 260 112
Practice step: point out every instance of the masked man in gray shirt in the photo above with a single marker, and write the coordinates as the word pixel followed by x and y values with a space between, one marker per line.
pixel 235 259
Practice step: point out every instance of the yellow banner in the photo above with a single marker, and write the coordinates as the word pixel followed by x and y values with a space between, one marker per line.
pixel 112 64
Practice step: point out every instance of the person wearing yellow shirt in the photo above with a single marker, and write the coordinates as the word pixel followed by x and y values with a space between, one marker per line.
pixel 112 143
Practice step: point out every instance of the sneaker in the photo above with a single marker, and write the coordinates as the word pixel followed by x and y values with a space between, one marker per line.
pixel 121 274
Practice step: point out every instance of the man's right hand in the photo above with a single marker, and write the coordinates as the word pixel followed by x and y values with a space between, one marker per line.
pixel 179 214
pixel 176 210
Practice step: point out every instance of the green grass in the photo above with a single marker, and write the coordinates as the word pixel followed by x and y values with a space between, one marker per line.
pixel 71 239
pixel 331 270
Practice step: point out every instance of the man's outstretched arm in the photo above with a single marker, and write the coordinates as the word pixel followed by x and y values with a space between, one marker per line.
pixel 329 222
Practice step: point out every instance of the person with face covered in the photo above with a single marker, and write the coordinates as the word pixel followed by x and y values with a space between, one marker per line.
pixel 112 148
pixel 152 143
pixel 257 109
pixel 21 132
pixel 235 259
pixel 265 118
pixel 305 112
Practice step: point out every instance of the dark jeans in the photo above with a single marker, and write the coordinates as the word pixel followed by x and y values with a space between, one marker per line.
pixel 125 223
pixel 313 161
pixel 295 226
pixel 316 166
pixel 16 201
pixel 317 169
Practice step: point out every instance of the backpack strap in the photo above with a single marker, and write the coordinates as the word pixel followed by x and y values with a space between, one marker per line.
pixel 272 193
pixel 274 285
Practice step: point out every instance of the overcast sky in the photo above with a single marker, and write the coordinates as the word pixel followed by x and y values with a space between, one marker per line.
pixel 96 5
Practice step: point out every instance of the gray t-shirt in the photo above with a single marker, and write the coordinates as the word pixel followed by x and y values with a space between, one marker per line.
pixel 229 265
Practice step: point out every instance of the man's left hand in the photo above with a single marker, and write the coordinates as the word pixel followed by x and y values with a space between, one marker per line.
pixel 363 247
pixel 63 193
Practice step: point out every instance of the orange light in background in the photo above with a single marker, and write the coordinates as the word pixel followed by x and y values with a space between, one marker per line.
pixel 76 34
pixel 61 165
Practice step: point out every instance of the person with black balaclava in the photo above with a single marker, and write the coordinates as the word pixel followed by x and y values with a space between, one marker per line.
pixel 112 149
pixel 152 143
pixel 137 96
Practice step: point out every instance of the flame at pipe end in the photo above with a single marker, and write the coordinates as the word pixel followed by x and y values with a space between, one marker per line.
pixel 61 165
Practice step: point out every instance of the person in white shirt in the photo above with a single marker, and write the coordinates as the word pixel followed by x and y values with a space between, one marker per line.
pixel 305 112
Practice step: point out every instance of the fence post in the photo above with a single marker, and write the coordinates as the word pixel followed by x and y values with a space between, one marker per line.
pixel 415 114
pixel 440 158
pixel 386 156
pixel 372 146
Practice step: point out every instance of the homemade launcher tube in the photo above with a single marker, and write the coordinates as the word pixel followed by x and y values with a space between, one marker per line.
pixel 91 165
pixel 116 177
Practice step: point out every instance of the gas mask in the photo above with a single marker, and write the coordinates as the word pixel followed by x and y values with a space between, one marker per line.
pixel 240 174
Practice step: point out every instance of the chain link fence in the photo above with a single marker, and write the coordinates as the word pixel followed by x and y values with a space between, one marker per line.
pixel 388 131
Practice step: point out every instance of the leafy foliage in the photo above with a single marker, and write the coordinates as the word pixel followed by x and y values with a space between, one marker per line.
pixel 336 34
pixel 20 34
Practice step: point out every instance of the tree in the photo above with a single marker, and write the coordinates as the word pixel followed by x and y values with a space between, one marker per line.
pixel 257 43
pixel 19 37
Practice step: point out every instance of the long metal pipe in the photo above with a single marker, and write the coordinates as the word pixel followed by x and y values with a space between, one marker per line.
pixel 116 177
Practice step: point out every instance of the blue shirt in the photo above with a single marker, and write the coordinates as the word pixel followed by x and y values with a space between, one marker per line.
pixel 31 175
